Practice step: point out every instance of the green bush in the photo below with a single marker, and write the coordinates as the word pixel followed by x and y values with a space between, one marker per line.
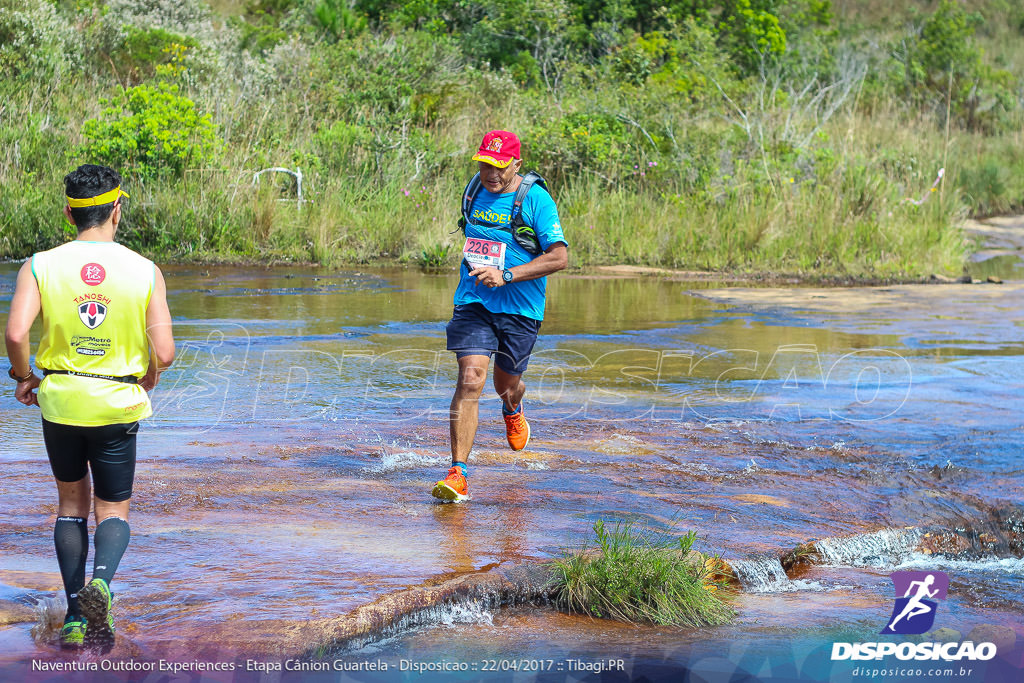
pixel 346 148
pixel 384 80
pixel 942 66
pixel 752 33
pixel 262 27
pixel 35 42
pixel 685 62
pixel 987 187
pixel 31 220
pixel 147 52
pixel 152 132
pixel 636 61
pixel 506 30
pixel 634 576
pixel 945 42
pixel 437 256
pixel 336 20
pixel 580 143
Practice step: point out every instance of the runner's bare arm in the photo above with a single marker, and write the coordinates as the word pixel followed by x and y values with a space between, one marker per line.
pixel 158 328
pixel 551 261
pixel 24 309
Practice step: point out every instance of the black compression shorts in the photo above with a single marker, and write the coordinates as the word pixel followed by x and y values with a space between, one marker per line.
pixel 108 451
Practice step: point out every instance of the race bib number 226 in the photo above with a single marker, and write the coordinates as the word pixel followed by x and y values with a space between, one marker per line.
pixel 484 253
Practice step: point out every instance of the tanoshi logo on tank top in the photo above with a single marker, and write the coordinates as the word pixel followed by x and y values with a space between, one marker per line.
pixel 93 274
pixel 92 314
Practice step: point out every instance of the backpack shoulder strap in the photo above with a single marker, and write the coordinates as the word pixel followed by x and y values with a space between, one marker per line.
pixel 529 180
pixel 468 195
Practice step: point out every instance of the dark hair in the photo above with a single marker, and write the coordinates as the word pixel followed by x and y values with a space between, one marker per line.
pixel 90 180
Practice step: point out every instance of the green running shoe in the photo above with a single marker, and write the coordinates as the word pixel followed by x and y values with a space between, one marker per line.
pixel 72 633
pixel 94 600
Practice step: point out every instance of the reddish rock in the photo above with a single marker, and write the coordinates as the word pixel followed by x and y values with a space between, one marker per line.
pixel 15 613
pixel 800 558
pixel 943 543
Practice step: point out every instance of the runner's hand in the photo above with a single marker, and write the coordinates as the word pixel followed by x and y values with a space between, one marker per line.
pixel 491 277
pixel 151 379
pixel 25 392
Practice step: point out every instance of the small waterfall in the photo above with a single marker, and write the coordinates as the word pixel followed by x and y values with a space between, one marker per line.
pixel 761 575
pixel 885 548
pixel 474 612
pixel 447 614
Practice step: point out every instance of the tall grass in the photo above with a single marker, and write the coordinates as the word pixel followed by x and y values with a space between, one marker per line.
pixel 383 127
pixel 634 575
pixel 844 217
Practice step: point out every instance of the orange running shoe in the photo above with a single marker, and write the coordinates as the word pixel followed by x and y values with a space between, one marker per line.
pixel 517 430
pixel 453 488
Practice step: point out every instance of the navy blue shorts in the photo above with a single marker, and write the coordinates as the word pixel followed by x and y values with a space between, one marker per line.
pixel 475 331
pixel 109 451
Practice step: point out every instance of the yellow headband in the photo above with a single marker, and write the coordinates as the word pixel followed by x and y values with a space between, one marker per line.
pixel 99 200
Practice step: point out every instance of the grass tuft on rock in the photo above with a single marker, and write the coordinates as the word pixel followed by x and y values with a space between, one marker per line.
pixel 637 576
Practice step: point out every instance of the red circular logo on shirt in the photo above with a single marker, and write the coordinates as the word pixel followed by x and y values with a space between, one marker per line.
pixel 93 274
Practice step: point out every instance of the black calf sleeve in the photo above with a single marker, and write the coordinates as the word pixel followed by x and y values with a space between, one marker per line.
pixel 71 540
pixel 111 541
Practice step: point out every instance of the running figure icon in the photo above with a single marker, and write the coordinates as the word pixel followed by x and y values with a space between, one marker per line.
pixel 917 592
pixel 915 607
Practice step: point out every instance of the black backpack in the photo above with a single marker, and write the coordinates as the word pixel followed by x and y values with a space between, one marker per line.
pixel 523 234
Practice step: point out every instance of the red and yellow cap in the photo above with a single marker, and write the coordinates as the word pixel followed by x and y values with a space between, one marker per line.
pixel 499 148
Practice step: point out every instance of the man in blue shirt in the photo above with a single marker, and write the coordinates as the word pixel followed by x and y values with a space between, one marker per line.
pixel 499 303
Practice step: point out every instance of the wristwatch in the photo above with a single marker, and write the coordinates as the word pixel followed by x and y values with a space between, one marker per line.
pixel 506 275
pixel 10 373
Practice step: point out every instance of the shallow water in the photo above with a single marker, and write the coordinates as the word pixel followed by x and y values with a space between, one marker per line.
pixel 286 474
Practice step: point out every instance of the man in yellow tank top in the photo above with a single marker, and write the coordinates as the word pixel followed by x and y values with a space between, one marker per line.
pixel 106 338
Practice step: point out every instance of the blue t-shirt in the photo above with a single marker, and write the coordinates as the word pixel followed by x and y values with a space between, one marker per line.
pixel 490 210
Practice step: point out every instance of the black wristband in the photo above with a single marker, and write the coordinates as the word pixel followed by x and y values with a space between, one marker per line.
pixel 10 373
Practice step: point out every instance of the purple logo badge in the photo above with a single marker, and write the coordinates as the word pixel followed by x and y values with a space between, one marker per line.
pixel 916 595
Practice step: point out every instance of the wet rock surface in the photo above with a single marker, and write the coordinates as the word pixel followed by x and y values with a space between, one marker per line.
pixel 15 613
pixel 944 635
pixel 1004 637
pixel 284 484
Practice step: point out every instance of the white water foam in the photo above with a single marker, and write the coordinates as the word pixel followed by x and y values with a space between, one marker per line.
pixel 836 447
pixel 1009 565
pixel 885 548
pixel 471 612
pixel 49 617
pixel 622 444
pixel 699 467
pixel 761 575
pixel 805 585
pixel 390 460
pixel 766 575
pixel 461 613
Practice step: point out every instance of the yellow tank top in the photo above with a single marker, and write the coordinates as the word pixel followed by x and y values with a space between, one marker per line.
pixel 94 298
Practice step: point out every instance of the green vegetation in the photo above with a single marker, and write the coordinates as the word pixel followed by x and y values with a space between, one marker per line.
pixel 734 135
pixel 153 132
pixel 636 576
